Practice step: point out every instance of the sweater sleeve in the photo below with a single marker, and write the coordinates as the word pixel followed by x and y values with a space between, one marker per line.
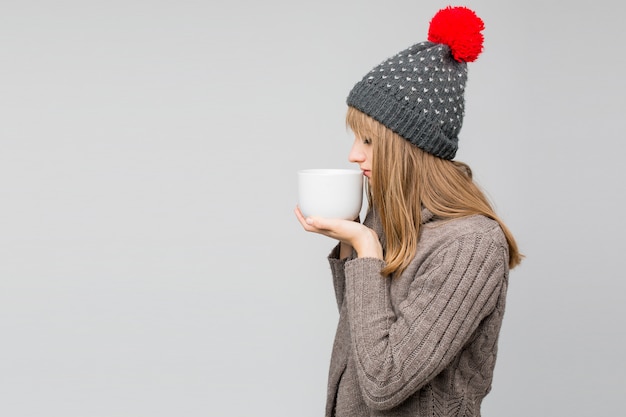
pixel 398 349
pixel 337 267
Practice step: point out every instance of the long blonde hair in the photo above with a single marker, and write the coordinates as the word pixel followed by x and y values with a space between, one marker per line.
pixel 405 179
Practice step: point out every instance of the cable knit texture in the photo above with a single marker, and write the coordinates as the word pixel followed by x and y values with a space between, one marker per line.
pixel 423 343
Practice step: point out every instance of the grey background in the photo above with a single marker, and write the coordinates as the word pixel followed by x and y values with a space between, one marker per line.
pixel 150 262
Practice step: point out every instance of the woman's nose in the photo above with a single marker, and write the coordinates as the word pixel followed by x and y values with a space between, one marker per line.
pixel 356 154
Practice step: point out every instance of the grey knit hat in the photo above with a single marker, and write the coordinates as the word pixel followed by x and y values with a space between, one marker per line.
pixel 419 92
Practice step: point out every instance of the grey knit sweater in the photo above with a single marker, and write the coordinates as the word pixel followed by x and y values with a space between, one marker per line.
pixel 423 343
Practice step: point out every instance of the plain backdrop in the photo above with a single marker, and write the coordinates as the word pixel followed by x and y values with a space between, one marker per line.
pixel 150 261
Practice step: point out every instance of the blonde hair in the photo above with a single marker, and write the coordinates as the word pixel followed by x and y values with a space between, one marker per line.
pixel 405 179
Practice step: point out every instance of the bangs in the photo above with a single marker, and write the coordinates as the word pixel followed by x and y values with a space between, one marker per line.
pixel 366 127
pixel 361 124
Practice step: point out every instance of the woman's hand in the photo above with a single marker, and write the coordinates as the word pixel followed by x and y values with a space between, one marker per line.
pixel 363 239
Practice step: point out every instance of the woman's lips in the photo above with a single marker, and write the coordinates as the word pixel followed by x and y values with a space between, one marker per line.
pixel 367 172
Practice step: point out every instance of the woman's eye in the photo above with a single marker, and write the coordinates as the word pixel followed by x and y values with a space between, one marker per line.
pixel 367 141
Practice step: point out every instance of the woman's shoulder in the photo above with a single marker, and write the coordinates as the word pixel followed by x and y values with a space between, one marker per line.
pixel 441 231
pixel 458 241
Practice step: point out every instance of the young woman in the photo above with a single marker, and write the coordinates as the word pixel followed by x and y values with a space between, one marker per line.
pixel 421 283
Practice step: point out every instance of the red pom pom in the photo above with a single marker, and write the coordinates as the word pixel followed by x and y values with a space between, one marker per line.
pixel 459 28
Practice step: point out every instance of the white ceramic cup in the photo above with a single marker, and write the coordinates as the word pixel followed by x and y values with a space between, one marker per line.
pixel 330 193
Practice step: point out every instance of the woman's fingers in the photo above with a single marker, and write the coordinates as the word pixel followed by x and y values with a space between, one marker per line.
pixel 334 228
pixel 363 239
pixel 303 221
